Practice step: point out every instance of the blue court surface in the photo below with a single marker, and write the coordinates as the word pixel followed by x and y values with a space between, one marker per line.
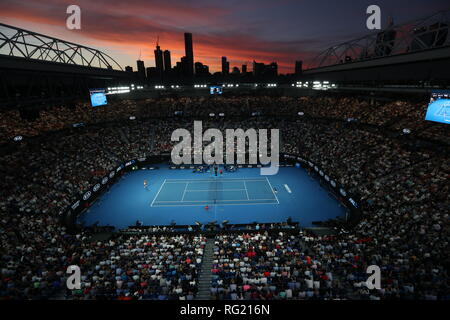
pixel 220 191
pixel 244 196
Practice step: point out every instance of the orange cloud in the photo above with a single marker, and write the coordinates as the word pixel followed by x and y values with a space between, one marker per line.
pixel 125 28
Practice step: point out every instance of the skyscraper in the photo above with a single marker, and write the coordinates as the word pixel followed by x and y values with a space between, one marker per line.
pixel 225 66
pixel 141 69
pixel 159 61
pixel 189 54
pixel 244 69
pixel 298 67
pixel 167 61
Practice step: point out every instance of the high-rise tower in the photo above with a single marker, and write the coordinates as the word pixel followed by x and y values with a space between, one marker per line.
pixel 167 61
pixel 189 54
pixel 159 59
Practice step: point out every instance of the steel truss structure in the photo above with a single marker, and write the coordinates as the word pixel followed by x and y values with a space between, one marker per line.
pixel 422 34
pixel 31 45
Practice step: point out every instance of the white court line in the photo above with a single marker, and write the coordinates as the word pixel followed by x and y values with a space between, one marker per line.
pixel 246 191
pixel 272 190
pixel 210 200
pixel 216 190
pixel 229 179
pixel 151 205
pixel 287 188
pixel 226 204
pixel 184 193
pixel 212 180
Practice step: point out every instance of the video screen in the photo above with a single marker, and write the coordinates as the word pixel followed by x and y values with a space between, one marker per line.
pixel 98 97
pixel 439 107
pixel 215 90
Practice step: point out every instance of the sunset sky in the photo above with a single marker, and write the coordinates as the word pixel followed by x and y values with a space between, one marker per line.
pixel 243 30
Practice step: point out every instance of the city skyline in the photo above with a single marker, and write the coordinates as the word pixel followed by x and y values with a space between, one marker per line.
pixel 188 67
pixel 264 31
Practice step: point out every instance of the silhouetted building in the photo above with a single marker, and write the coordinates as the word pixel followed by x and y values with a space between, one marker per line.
pixel 262 70
pixel 159 61
pixel 189 54
pixel 152 73
pixel 244 69
pixel 258 68
pixel 201 69
pixel 176 70
pixel 298 67
pixel 235 71
pixel 128 69
pixel 225 66
pixel 272 69
pixel 140 69
pixel 184 65
pixel 167 61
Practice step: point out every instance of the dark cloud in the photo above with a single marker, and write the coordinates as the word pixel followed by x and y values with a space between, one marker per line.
pixel 282 31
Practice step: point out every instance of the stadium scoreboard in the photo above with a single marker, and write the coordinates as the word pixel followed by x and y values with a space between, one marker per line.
pixel 98 97
pixel 215 90
pixel 439 107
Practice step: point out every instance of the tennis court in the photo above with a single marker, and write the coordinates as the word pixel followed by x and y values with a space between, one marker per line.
pixel 179 196
pixel 214 191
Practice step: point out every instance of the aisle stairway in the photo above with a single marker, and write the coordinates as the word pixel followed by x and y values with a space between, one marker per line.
pixel 152 140
pixel 205 276
pixel 122 135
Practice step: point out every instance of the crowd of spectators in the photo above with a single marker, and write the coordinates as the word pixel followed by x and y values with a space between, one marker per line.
pixel 304 266
pixel 402 181
pixel 394 115
pixel 139 267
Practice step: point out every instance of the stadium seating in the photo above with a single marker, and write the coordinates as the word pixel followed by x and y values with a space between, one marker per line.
pixel 401 179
